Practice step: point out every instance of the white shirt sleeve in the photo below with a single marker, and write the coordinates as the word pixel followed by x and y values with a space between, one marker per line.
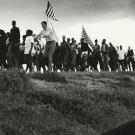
pixel 32 39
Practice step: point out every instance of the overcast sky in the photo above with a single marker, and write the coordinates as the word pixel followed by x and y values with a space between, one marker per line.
pixel 111 19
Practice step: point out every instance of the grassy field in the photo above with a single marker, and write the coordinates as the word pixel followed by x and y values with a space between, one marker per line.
pixel 65 103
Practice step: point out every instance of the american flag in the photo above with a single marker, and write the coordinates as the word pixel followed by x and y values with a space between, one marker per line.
pixel 87 38
pixel 50 12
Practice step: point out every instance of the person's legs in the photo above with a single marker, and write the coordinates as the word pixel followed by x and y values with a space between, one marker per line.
pixel 103 60
pixel 26 61
pixel 112 64
pixel 128 64
pixel 100 61
pixel 69 61
pixel 46 50
pixel 106 62
pixel 16 55
pixel 30 62
pixel 65 62
pixel 95 62
pixel 121 62
pixel 73 61
pixel 16 60
pixel 123 67
pixel 78 62
pixel 52 46
pixel 10 55
pixel 132 62
pixel 45 58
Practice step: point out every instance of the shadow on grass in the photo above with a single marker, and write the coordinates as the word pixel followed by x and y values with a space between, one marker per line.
pixel 49 76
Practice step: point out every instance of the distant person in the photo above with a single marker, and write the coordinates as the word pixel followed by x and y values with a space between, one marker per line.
pixel 68 41
pixel 69 54
pixel 14 34
pixel 13 49
pixel 117 61
pixel 64 53
pixel 29 43
pixel 130 58
pixel 105 57
pixel 3 49
pixel 121 57
pixel 74 54
pixel 84 46
pixel 57 58
pixel 48 34
pixel 22 48
pixel 78 59
pixel 85 53
pixel 97 56
pixel 113 57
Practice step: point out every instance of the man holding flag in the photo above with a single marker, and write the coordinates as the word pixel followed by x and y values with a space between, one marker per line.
pixel 48 34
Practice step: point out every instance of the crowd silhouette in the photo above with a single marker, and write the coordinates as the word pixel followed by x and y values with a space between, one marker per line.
pixel 66 56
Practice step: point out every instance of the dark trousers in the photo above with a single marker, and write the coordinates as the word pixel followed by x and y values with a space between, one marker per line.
pixel 97 58
pixel 121 63
pixel 113 63
pixel 13 55
pixel 65 61
pixel 73 60
pixel 78 62
pixel 131 60
pixel 105 60
pixel 28 59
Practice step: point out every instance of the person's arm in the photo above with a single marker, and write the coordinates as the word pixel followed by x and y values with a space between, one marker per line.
pixel 18 31
pixel 32 44
pixel 107 49
pixel 10 36
pixel 39 36
pixel 101 49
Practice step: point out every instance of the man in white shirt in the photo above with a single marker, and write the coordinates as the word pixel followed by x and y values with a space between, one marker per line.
pixel 121 57
pixel 48 34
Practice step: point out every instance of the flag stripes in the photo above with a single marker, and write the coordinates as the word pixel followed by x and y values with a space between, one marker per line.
pixel 87 38
pixel 50 12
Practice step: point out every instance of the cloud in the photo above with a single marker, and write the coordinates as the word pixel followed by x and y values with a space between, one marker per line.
pixel 20 5
pixel 73 8
pixel 93 8
pixel 70 10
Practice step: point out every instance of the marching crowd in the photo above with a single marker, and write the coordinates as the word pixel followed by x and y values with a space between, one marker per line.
pixel 43 51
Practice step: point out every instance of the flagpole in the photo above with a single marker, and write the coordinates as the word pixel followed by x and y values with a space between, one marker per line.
pixel 47 20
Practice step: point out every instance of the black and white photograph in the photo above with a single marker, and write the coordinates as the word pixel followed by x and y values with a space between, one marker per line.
pixel 67 67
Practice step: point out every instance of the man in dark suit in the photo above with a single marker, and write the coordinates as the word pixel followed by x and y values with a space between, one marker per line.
pixel 113 57
pixel 64 53
pixel 97 56
pixel 13 49
pixel 105 57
